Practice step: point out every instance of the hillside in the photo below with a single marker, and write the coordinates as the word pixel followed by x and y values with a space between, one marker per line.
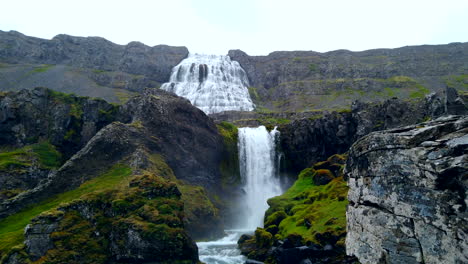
pixel 281 81
pixel 306 80
pixel 90 66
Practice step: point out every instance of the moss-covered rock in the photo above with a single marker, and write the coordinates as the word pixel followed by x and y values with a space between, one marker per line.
pixel 311 212
pixel 257 246
pixel 230 171
pixel 142 222
pixel 202 217
pixel 23 168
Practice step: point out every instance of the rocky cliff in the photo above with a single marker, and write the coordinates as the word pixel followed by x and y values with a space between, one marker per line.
pixel 157 134
pixel 304 80
pixel 309 140
pixel 408 194
pixel 89 66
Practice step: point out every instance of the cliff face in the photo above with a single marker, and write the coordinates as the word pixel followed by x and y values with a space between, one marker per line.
pixel 156 137
pixel 408 194
pixel 303 80
pixel 156 123
pixel 90 66
pixel 309 140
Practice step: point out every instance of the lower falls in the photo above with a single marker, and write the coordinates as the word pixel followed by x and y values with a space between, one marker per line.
pixel 259 164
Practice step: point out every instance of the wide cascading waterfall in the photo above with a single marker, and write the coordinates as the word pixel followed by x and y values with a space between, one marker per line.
pixel 212 83
pixel 258 163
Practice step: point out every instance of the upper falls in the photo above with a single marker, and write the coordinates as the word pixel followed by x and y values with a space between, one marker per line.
pixel 212 83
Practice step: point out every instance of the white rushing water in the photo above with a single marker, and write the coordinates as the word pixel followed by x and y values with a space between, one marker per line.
pixel 258 163
pixel 212 83
pixel 222 251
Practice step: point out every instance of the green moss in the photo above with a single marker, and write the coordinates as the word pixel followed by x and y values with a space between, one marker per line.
pixel 459 82
pixel 11 227
pixel 263 238
pixel 97 71
pixel 272 121
pixel 311 210
pixel 160 167
pixel 74 101
pixel 420 92
pixel 110 114
pixel 148 205
pixel 229 166
pixel 48 155
pixel 69 135
pixel 44 152
pixel 16 159
pixel 124 95
pixel 43 68
pixel 275 218
pixel 7 194
pixel 253 93
pixel 313 67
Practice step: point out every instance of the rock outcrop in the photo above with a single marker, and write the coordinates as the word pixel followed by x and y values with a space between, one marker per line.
pixel 139 223
pixel 408 194
pixel 307 223
pixel 304 80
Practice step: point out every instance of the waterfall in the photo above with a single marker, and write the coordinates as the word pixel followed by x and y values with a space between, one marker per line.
pixel 212 83
pixel 258 164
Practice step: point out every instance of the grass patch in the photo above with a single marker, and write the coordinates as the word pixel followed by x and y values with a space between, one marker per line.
pixel 16 159
pixel 124 96
pixel 47 154
pixel 12 227
pixel 43 68
pixel 253 93
pixel 44 152
pixel 459 82
pixel 420 92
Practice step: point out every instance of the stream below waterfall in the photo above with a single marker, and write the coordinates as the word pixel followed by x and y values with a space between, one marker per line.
pixel 258 161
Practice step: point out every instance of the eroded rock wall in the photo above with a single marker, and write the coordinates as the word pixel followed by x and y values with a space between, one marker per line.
pixel 408 194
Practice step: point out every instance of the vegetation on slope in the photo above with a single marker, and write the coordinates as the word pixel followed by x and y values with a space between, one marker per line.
pixel 44 153
pixel 311 212
pixel 12 227
pixel 229 167
pixel 339 93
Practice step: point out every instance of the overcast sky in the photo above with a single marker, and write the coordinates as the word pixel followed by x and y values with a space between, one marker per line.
pixel 255 26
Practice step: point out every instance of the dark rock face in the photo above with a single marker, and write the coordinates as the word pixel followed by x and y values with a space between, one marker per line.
pixel 309 140
pixel 160 123
pixel 302 80
pixel 408 194
pixel 41 115
pixel 92 52
pixel 67 121
pixel 187 138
